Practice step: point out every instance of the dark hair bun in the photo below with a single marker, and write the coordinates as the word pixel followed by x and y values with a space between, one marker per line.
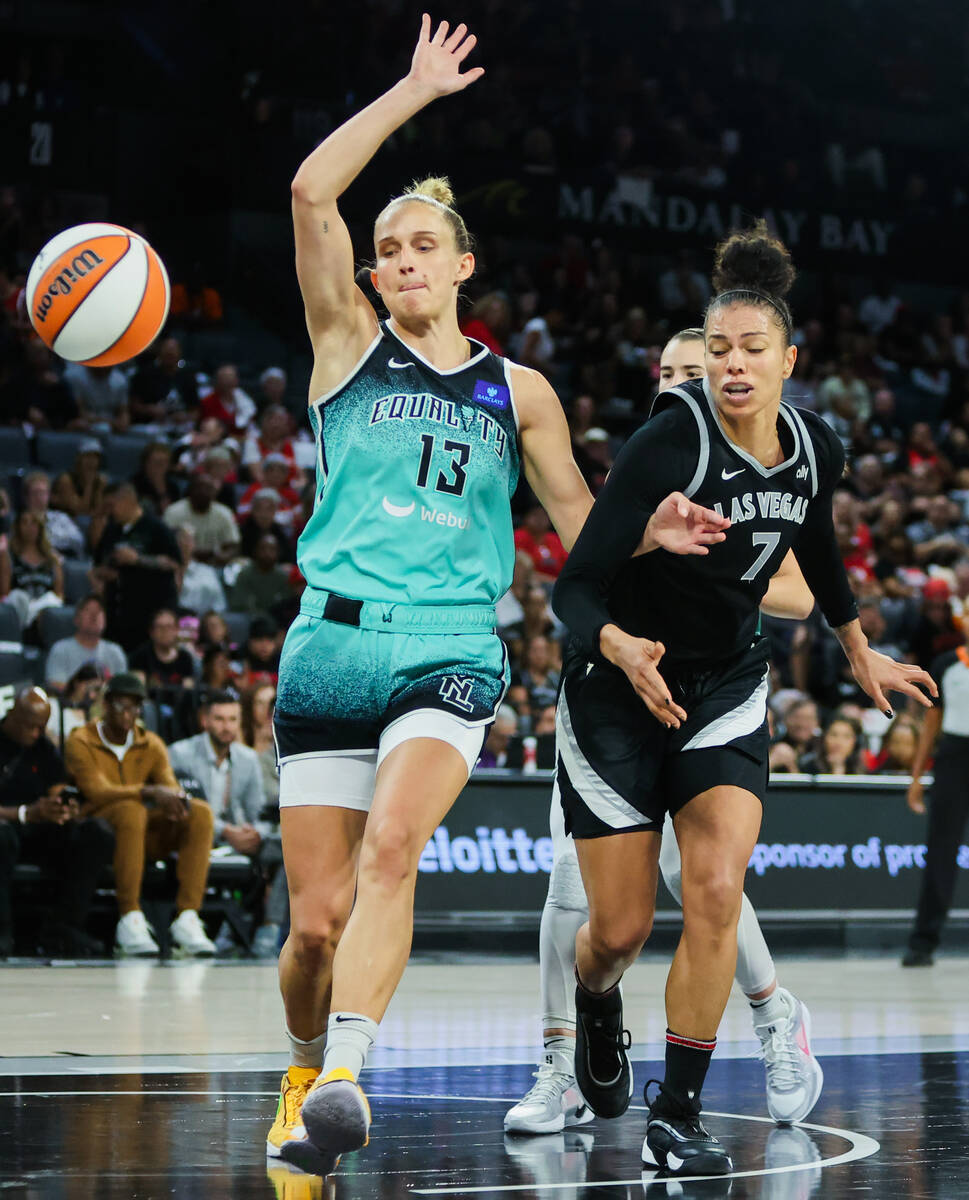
pixel 753 259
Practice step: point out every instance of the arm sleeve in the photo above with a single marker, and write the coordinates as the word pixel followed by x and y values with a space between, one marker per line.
pixel 816 548
pixel 658 459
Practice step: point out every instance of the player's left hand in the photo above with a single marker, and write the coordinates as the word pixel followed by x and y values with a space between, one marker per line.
pixel 877 674
pixel 682 527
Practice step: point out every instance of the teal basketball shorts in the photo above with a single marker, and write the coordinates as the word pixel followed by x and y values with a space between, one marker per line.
pixel 357 679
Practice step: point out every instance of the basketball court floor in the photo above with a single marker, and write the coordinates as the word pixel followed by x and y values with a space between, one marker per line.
pixel 139 1081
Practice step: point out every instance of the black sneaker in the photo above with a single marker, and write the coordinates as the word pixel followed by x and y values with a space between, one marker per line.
pixel 917 957
pixel 602 1069
pixel 677 1142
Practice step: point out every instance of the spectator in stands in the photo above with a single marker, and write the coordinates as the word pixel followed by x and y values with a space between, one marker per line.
pixel 272 388
pixel 40 823
pixel 844 395
pixel 213 631
pixel 538 541
pixel 880 307
pixel 839 751
pixel 274 437
pixel 38 395
pixel 494 753
pixel 80 491
pixel 941 536
pixel 136 563
pixel 510 611
pixel 260 663
pixel 538 673
pixel 101 395
pixel 800 726
pixel 63 534
pixel 213 524
pixel 489 321
pixel 262 521
pixel 216 674
pixel 683 290
pixel 231 775
pixel 228 402
pixel 220 465
pixel 31 574
pixel 897 753
pixel 87 646
pixel 275 473
pixel 163 392
pixel 125 777
pixel 201 586
pixel 937 630
pixel 155 481
pixel 263 583
pixel 73 708
pixel 257 733
pixel 192 448
pixel 162 662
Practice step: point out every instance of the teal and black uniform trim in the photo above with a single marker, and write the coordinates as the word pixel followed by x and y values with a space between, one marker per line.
pixel 408 549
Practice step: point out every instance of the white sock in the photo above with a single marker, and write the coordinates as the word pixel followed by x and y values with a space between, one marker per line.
pixel 774 1008
pixel 306 1054
pixel 755 967
pixel 349 1037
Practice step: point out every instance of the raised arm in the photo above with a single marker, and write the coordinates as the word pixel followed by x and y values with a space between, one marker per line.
pixel 336 309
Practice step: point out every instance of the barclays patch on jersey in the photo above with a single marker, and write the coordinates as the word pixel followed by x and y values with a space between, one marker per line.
pixel 494 394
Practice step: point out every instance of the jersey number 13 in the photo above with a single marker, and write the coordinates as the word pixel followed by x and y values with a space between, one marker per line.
pixel 460 454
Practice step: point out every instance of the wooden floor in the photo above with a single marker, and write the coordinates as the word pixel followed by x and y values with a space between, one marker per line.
pixel 191 1053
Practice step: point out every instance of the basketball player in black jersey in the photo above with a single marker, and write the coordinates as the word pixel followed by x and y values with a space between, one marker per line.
pixel 663 705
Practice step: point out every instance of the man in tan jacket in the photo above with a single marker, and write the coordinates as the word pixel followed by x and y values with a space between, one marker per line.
pixel 125 778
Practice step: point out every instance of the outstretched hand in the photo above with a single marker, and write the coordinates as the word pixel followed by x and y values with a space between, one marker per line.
pixel 436 65
pixel 682 527
pixel 877 674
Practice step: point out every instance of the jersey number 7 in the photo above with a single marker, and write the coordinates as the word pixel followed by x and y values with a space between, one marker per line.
pixel 769 542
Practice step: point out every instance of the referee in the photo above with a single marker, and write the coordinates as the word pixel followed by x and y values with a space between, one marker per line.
pixel 949 801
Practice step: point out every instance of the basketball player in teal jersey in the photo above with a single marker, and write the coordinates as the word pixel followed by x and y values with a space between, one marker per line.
pixel 392 672
pixel 781 1021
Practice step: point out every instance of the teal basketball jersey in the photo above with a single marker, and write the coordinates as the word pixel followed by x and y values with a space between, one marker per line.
pixel 415 472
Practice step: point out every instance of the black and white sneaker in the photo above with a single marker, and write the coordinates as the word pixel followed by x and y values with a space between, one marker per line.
pixel 677 1142
pixel 602 1068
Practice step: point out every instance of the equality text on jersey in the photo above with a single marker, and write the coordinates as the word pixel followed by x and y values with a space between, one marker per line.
pixel 770 506
pixel 423 406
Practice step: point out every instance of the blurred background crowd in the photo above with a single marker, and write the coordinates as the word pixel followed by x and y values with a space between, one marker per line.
pixel 149 513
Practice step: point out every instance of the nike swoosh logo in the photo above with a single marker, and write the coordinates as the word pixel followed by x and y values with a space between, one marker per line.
pixel 673 1162
pixel 725 474
pixel 392 362
pixel 341 1020
pixel 396 510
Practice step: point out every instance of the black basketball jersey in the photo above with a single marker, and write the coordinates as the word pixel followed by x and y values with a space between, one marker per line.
pixel 704 609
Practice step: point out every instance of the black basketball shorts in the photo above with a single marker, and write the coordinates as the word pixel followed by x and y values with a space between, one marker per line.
pixel 619 770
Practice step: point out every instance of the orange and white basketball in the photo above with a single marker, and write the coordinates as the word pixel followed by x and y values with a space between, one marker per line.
pixel 97 294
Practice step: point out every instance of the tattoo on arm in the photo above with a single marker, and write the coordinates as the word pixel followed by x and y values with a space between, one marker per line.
pixel 326 226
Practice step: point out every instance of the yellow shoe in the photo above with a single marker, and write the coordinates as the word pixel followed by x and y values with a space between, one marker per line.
pixel 335 1117
pixel 287 1139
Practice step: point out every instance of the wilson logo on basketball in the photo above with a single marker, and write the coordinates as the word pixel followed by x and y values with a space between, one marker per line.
pixel 86 261
pixel 97 294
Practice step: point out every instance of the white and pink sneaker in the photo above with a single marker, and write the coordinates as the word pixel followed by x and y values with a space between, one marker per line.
pixel 794 1075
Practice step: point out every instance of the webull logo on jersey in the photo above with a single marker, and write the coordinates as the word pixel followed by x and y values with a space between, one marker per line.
pixel 433 516
pixel 425 407
pixel 773 506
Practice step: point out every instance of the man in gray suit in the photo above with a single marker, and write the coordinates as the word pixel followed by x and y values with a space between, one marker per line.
pixel 231 777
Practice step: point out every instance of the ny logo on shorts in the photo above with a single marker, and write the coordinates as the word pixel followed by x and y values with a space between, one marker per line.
pixel 456 690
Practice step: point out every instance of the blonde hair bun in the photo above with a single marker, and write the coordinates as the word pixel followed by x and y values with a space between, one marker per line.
pixel 435 187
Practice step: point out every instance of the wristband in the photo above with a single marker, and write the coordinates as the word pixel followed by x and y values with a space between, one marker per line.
pixel 22 814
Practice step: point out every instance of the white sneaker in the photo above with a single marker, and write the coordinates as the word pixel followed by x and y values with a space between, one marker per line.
pixel 133 937
pixel 550 1105
pixel 794 1075
pixel 190 937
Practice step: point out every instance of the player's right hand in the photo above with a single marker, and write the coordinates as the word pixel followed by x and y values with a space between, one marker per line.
pixel 639 659
pixel 914 797
pixel 436 65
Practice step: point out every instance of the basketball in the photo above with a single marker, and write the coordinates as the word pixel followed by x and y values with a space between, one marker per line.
pixel 97 294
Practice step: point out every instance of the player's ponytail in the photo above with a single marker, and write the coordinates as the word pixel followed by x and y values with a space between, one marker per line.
pixel 437 191
pixel 752 266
